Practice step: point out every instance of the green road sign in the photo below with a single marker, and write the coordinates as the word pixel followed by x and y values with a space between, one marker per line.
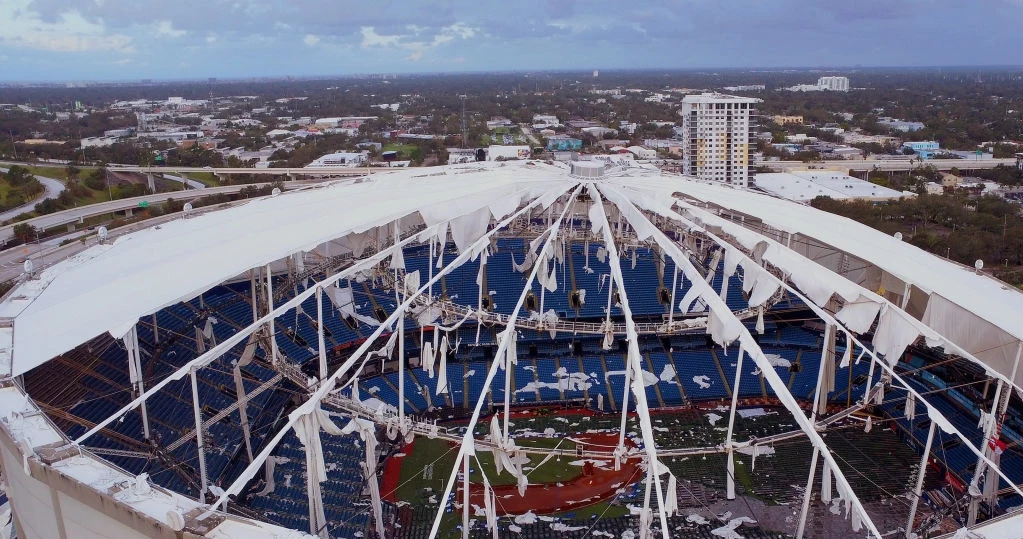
pixel 144 204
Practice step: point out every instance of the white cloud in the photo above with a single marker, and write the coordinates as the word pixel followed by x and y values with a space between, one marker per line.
pixel 22 28
pixel 417 48
pixel 71 43
pixel 311 40
pixel 370 38
pixel 165 28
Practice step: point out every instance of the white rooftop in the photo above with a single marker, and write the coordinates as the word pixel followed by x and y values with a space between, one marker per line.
pixel 803 186
pixel 714 97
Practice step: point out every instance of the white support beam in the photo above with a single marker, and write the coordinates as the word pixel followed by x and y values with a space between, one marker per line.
pixel 918 489
pixel 320 341
pixel 204 479
pixel 599 218
pixel 131 345
pixel 805 510
pixel 271 326
pixel 730 480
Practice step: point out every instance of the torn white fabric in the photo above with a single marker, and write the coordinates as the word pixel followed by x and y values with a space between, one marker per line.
pixel 893 335
pixel 428 358
pixel 344 299
pixel 826 483
pixel 858 315
pixel 442 368
pixel 268 472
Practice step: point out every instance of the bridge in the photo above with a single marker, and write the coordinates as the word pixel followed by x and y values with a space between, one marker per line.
pixel 890 165
pixel 223 173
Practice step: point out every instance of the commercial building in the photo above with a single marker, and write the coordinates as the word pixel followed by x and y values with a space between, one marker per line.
pixel 806 185
pixel 506 153
pixel 923 148
pixel 834 84
pixel 784 120
pixel 745 88
pixel 900 125
pixel 340 160
pixel 563 143
pixel 541 121
pixel 715 137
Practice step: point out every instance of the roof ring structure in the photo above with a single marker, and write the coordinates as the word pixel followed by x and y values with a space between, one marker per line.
pixel 322 330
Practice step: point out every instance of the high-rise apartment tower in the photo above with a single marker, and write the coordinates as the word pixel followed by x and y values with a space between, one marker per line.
pixel 716 135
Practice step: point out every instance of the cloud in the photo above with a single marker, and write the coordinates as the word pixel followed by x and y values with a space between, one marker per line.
pixel 166 28
pixel 71 43
pixel 370 38
pixel 68 32
pixel 413 43
pixel 275 37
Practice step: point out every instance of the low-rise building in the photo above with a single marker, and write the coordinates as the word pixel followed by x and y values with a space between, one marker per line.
pixel 642 153
pixel 542 121
pixel 923 148
pixel 900 125
pixel 563 143
pixel 340 160
pixel 503 153
pixel 805 185
pixel 785 120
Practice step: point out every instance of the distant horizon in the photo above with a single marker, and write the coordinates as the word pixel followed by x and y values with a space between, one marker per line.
pixel 70 40
pixel 837 69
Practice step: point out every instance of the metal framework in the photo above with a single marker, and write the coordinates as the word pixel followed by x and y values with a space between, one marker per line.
pixel 615 219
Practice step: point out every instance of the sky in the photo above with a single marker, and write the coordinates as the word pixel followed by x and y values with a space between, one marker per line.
pixel 75 40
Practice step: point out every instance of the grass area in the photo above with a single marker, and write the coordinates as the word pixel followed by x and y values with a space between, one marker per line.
pixel 405 151
pixel 554 470
pixel 55 172
pixel 208 179
pixel 418 491
pixel 441 454
pixel 604 509
pixel 426 452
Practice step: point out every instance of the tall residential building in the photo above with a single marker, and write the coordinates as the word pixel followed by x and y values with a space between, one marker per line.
pixel 716 135
pixel 835 84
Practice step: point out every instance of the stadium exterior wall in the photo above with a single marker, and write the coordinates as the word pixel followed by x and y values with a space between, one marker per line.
pixel 47 504
pixel 58 492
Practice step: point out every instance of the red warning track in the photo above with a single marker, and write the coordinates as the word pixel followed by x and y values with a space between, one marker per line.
pixel 596 482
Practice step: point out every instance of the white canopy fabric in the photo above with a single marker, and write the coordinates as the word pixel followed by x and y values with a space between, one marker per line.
pixel 109 287
pixel 978 313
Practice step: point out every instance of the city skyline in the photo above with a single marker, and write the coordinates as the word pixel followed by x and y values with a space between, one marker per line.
pixel 60 40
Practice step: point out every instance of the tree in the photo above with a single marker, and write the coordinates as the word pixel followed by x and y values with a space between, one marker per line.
pixel 72 172
pixel 25 232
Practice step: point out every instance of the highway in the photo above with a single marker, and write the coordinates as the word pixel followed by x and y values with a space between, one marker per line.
pixel 304 171
pixel 886 165
pixel 52 189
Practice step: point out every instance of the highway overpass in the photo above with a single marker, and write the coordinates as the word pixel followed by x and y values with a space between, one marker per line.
pixel 293 173
pixel 890 165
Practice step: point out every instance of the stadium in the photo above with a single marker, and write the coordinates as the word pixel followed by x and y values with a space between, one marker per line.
pixel 511 349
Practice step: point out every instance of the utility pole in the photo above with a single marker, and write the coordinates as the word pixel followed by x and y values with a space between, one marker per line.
pixel 463 97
